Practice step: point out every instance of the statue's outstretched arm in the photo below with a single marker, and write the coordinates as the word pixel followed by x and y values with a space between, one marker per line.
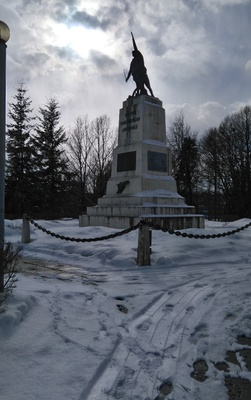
pixel 134 43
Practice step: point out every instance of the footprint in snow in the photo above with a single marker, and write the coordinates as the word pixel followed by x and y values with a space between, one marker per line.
pixel 200 368
pixel 164 389
pixel 144 326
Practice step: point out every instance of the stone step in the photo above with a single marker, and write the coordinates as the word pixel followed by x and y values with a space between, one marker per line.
pixel 136 211
pixel 141 201
pixel 170 222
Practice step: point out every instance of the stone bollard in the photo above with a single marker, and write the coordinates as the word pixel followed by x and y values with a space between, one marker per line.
pixel 25 231
pixel 143 254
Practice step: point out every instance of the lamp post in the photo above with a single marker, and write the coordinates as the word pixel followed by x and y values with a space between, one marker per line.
pixel 4 37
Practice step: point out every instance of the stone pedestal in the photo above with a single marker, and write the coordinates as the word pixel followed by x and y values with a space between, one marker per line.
pixel 141 184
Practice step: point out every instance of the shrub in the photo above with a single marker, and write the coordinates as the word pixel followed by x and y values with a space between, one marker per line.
pixel 11 256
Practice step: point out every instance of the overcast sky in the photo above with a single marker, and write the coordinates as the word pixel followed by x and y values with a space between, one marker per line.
pixel 197 53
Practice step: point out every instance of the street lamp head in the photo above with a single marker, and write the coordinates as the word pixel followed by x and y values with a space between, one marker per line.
pixel 4 32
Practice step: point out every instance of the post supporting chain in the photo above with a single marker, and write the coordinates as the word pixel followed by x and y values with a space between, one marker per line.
pixel 144 245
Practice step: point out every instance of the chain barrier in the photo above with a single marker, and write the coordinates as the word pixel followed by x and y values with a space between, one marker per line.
pixel 133 228
pixel 83 240
pixel 196 236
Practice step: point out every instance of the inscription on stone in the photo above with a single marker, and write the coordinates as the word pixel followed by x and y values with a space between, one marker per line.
pixel 128 122
pixel 129 128
pixel 157 161
pixel 130 113
pixel 126 161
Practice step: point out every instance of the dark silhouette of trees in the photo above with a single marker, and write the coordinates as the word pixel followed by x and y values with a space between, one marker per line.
pixel 43 179
pixel 19 164
pixel 80 144
pixel 50 164
pixel 90 154
pixel 226 158
pixel 101 155
pixel 185 158
pixel 212 173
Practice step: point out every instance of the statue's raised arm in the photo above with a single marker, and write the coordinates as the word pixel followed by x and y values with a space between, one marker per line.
pixel 134 43
pixel 138 72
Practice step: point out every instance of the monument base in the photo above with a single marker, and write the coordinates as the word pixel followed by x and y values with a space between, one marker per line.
pixel 141 184
pixel 161 207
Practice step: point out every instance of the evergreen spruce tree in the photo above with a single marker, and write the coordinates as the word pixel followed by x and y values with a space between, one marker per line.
pixel 49 159
pixel 19 167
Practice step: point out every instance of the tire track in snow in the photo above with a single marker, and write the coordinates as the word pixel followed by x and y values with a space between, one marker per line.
pixel 182 322
pixel 176 327
pixel 125 365
pixel 197 331
pixel 110 368
pixel 129 358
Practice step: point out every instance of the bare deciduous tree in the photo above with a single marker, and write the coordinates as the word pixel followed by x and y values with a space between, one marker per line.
pixel 80 144
pixel 185 157
pixel 91 145
pixel 226 155
pixel 101 154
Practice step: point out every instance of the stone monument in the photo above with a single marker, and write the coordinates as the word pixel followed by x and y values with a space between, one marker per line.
pixel 141 184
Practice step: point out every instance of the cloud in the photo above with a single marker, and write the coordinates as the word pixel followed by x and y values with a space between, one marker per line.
pixel 64 53
pixel 248 66
pixel 102 61
pixel 206 115
pixel 89 21
pixel 211 113
pixel 197 54
pixel 217 5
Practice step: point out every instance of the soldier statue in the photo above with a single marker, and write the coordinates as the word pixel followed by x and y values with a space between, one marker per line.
pixel 139 72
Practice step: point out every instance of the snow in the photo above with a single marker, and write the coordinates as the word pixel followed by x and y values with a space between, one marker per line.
pixel 85 322
pixel 155 143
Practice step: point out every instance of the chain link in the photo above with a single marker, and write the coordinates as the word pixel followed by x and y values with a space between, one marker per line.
pixel 133 228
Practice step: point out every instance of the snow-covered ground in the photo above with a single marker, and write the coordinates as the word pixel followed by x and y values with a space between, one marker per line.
pixel 87 323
